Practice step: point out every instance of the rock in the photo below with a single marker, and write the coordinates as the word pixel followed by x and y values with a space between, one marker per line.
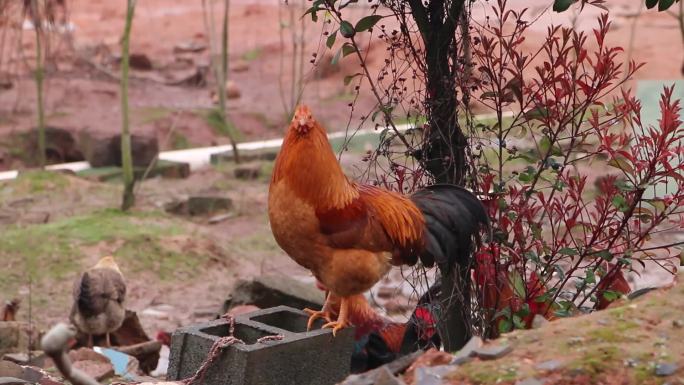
pixel 240 66
pixel 189 46
pixel 10 369
pixel 468 351
pixel 248 172
pixel 395 367
pixel 201 205
pixel 140 61
pixel 385 377
pixel 60 146
pixel 529 381
pixel 37 358
pixel 92 363
pixel 274 290
pixel 232 90
pixel 539 321
pixel 432 357
pixel 666 369
pixel 12 381
pixel 104 150
pixel 549 365
pixel 32 375
pixel 493 352
pixel 678 323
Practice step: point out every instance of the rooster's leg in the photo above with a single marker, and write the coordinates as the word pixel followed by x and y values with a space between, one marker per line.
pixel 316 314
pixel 341 318
pixel 109 344
pixel 90 341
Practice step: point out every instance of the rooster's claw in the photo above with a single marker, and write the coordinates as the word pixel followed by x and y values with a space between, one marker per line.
pixel 335 325
pixel 316 314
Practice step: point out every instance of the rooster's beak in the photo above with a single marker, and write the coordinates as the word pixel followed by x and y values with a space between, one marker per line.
pixel 302 122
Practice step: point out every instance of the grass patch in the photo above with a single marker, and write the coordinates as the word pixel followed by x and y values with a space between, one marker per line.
pixel 252 54
pixel 33 182
pixel 53 251
pixel 145 115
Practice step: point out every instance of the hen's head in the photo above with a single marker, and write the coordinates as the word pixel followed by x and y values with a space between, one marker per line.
pixel 302 121
pixel 107 263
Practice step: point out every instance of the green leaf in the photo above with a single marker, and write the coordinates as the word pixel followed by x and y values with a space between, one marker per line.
pixel 620 203
pixel 622 164
pixel 367 23
pixel 663 5
pixel 349 78
pixel 590 278
pixel 562 5
pixel 348 49
pixel 605 254
pixel 505 326
pixel 518 322
pixel 346 29
pixel 567 251
pixel 330 41
pixel 517 283
pixel 544 145
pixel 651 3
pixel 337 57
pixel 611 295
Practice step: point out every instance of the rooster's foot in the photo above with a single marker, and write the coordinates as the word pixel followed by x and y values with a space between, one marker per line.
pixel 316 314
pixel 336 325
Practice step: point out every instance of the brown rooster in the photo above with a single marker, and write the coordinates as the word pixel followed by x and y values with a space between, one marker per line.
pixel 348 234
pixel 99 295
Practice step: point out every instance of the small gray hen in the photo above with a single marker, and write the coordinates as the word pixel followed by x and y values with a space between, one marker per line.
pixel 99 295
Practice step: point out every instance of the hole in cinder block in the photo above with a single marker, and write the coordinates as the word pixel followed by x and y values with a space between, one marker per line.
pixel 247 334
pixel 287 320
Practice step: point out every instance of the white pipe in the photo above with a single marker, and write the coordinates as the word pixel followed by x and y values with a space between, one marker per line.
pixel 201 156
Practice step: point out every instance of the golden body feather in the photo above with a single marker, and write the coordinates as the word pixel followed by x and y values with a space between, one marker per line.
pixel 348 235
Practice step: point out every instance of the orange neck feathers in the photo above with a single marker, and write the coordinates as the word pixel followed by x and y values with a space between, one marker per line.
pixel 308 165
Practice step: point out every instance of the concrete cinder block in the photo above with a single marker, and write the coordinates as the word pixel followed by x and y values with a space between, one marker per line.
pixel 300 358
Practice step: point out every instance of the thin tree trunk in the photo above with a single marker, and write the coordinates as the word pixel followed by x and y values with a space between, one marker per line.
pixel 40 75
pixel 126 156
pixel 443 154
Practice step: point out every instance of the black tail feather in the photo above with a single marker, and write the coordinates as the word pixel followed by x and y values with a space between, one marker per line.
pixel 454 218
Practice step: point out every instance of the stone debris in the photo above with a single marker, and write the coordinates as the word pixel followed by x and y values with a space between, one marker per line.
pixel 10 369
pixel 248 172
pixel 12 381
pixel 468 351
pixel 432 375
pixel 539 321
pixel 432 357
pixel 530 381
pixel 92 363
pixel 666 369
pixel 200 205
pixel 549 365
pixel 385 377
pixel 274 290
pixel 493 352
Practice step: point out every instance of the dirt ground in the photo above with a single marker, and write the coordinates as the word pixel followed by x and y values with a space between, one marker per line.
pixel 82 92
